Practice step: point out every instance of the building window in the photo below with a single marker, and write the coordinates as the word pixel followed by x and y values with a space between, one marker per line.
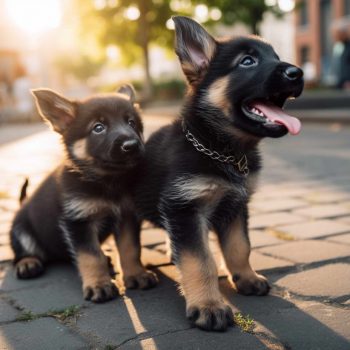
pixel 303 13
pixel 304 54
pixel 346 7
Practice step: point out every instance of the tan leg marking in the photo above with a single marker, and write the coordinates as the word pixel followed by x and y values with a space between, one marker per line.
pixel 236 251
pixel 93 269
pixel 205 306
pixel 97 284
pixel 135 275
pixel 217 94
pixel 199 279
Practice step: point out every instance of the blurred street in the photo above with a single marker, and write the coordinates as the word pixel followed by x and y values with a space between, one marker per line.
pixel 300 233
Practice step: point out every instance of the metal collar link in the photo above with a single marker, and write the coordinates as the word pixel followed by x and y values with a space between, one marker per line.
pixel 241 164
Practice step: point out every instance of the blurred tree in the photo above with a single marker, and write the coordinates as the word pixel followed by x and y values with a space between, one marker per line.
pixel 133 25
pixel 249 12
pixel 82 67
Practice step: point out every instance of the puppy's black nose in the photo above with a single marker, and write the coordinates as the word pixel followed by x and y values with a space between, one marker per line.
pixel 293 73
pixel 130 145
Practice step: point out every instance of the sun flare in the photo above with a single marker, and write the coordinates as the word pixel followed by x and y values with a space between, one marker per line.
pixel 34 16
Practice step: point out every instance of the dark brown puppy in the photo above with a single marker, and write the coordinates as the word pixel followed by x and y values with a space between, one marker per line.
pixel 87 197
pixel 201 171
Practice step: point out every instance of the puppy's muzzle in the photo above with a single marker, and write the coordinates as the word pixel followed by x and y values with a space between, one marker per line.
pixel 126 147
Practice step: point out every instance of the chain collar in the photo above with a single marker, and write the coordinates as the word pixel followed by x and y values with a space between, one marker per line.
pixel 241 164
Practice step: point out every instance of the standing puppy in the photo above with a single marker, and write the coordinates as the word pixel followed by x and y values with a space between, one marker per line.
pixel 200 171
pixel 87 197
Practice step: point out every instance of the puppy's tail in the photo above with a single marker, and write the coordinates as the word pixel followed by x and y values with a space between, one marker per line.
pixel 23 194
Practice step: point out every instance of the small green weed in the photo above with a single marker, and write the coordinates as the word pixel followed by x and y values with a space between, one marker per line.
pixel 245 323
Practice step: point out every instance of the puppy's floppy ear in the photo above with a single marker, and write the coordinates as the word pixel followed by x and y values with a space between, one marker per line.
pixel 128 91
pixel 58 110
pixel 194 46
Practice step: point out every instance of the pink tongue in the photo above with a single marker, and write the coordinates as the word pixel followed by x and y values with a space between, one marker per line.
pixel 276 114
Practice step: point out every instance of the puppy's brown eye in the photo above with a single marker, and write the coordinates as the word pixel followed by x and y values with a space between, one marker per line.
pixel 132 123
pixel 98 128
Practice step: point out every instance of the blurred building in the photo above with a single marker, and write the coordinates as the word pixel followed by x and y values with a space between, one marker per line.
pixel 313 35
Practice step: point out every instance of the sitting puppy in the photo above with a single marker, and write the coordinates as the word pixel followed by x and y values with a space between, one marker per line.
pixel 87 197
pixel 200 171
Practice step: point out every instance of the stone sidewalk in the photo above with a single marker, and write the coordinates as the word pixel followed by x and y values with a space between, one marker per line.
pixel 300 233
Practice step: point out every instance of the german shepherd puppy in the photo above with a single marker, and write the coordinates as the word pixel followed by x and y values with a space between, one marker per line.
pixel 201 171
pixel 87 196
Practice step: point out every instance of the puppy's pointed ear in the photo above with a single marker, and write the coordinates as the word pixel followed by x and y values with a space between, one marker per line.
pixel 128 91
pixel 56 109
pixel 194 46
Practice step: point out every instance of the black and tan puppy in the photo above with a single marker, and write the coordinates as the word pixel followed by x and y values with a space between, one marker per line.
pixel 201 171
pixel 87 197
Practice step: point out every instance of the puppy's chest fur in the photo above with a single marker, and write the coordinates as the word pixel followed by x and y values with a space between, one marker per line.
pixel 78 207
pixel 209 191
pixel 91 201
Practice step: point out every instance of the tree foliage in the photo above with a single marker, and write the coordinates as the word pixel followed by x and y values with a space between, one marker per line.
pixel 109 22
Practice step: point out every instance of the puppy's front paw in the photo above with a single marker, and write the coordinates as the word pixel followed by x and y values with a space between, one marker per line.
pixel 101 293
pixel 254 284
pixel 29 267
pixel 214 316
pixel 144 280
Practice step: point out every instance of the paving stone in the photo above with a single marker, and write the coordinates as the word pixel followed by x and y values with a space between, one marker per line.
pixel 10 205
pixel 40 334
pixel 6 216
pixel 261 262
pixel 262 238
pixel 7 312
pixel 323 211
pixel 159 310
pixel 153 236
pixel 4 240
pixel 294 324
pixel 312 229
pixel 6 253
pixel 153 257
pixel 273 219
pixel 277 204
pixel 5 228
pixel 265 193
pixel 194 339
pixel 57 289
pixel 345 219
pixel 308 251
pixel 340 238
pixel 326 197
pixel 330 281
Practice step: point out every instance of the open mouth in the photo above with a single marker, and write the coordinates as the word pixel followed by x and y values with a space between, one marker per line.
pixel 269 112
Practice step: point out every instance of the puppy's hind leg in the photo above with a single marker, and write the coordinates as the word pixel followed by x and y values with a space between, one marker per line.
pixel 29 257
pixel 135 275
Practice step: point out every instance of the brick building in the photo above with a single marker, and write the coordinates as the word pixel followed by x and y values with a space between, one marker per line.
pixel 313 35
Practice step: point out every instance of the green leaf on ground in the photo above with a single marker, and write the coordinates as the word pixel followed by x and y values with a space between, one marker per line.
pixel 245 323
pixel 27 316
pixel 62 314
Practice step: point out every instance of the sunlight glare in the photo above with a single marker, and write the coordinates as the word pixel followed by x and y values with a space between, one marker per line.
pixel 132 13
pixel 286 5
pixel 35 16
